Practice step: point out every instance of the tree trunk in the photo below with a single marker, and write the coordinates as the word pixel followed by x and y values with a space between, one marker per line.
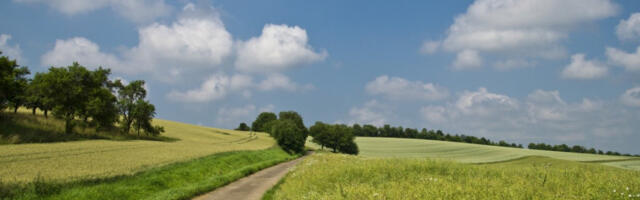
pixel 68 127
pixel 33 111
pixel 45 113
pixel 15 110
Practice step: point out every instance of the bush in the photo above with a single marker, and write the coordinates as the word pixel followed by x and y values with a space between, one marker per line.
pixel 288 135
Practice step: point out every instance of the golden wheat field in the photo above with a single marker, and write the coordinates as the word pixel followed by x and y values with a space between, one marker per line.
pixel 68 161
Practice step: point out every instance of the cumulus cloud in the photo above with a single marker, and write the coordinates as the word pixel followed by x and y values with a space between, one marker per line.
pixel 467 59
pixel 279 47
pixel 279 81
pixel 79 50
pixel 524 28
pixel 371 112
pixel 215 87
pixel 513 64
pixel 484 103
pixel 138 11
pixel 629 29
pixel 193 41
pixel 631 97
pixel 630 61
pixel 397 88
pixel 13 52
pixel 579 68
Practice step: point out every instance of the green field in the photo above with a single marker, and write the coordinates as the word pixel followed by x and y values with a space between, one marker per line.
pixel 336 176
pixel 378 147
pixel 91 159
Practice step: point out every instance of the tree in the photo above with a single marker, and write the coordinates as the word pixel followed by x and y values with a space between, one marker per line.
pixel 128 97
pixel 261 122
pixel 143 113
pixel 102 109
pixel 289 136
pixel 243 127
pixel 319 131
pixel 296 118
pixel 12 83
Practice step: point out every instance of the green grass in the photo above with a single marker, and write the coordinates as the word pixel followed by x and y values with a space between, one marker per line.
pixel 335 176
pixel 23 127
pixel 377 147
pixel 98 159
pixel 175 181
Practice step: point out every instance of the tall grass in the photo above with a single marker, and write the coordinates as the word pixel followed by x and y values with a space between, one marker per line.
pixel 175 181
pixel 333 176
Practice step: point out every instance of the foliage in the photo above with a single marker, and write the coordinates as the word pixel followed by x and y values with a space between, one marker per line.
pixel 295 118
pixel 261 124
pixel 288 135
pixel 575 148
pixel 243 127
pixel 338 137
pixel 175 181
pixel 96 159
pixel 334 176
pixel 12 83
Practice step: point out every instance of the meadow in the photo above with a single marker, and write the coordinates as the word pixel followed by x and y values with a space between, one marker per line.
pixel 376 147
pixel 337 176
pixel 97 159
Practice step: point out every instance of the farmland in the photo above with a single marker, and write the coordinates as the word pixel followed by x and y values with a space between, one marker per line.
pixel 469 153
pixel 334 176
pixel 92 159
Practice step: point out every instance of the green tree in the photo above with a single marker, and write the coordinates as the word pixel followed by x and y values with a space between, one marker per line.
pixel 289 136
pixel 128 97
pixel 320 133
pixel 12 83
pixel 142 116
pixel 261 124
pixel 243 127
pixel 36 95
pixel 296 118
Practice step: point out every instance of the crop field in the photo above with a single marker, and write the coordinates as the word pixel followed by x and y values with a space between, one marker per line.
pixel 336 176
pixel 471 153
pixel 88 159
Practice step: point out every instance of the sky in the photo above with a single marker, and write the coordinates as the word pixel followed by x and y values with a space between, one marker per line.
pixel 516 70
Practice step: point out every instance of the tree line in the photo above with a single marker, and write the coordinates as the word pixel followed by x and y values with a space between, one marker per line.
pixel 574 148
pixel 387 130
pixel 78 96
pixel 291 134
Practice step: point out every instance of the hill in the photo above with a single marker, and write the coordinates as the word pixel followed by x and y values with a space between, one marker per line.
pixel 473 153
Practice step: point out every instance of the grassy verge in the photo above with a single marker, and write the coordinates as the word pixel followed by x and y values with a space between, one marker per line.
pixel 175 181
pixel 334 176
pixel 24 127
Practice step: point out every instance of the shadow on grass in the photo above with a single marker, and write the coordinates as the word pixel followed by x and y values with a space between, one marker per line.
pixel 19 128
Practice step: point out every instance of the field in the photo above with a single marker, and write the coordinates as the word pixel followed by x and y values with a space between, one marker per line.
pixel 92 159
pixel 335 176
pixel 376 147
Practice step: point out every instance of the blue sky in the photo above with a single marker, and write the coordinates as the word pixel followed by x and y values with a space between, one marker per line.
pixel 518 70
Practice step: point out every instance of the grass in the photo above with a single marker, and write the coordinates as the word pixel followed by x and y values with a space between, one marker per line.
pixel 175 181
pixel 24 127
pixel 99 159
pixel 336 176
pixel 376 147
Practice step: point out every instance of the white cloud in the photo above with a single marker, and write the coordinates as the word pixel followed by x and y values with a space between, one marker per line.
pixel 629 29
pixel 523 28
pixel 279 47
pixel 434 114
pixel 579 68
pixel 13 52
pixel 631 97
pixel 484 103
pixel 191 42
pixel 401 89
pixel 467 59
pixel 371 112
pixel 430 47
pixel 512 64
pixel 137 11
pixel 630 61
pixel 80 50
pixel 215 87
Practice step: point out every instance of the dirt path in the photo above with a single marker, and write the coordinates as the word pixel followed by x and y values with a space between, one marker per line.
pixel 252 186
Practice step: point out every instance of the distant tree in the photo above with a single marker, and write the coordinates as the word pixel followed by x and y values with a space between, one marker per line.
pixel 243 127
pixel 142 115
pixel 319 131
pixel 128 98
pixel 288 135
pixel 36 95
pixel 261 122
pixel 13 83
pixel 295 118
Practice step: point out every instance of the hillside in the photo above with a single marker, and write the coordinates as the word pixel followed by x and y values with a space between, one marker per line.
pixel 68 161
pixel 473 153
